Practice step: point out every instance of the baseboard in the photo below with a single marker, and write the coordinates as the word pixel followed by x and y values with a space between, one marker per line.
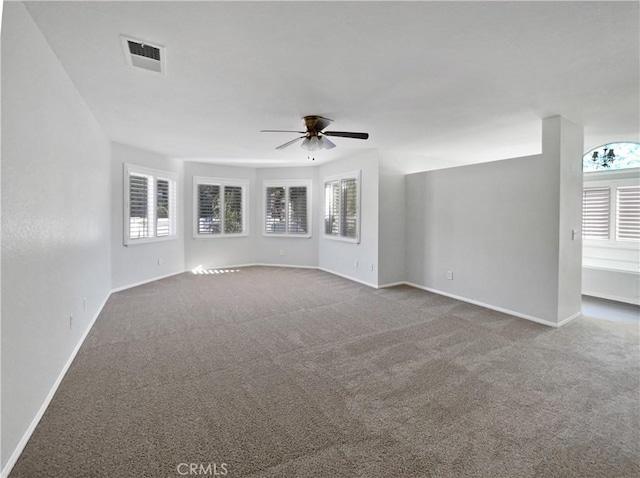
pixel 344 276
pixel 571 318
pixel 290 266
pixel 34 423
pixel 616 298
pixel 391 284
pixel 493 307
pixel 146 281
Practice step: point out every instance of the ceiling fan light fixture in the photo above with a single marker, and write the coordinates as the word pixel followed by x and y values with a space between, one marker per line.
pixel 312 144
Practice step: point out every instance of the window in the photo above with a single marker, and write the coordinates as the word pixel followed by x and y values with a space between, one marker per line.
pixel 595 213
pixel 149 205
pixel 611 208
pixel 287 208
pixel 342 207
pixel 628 214
pixel 220 207
pixel 626 155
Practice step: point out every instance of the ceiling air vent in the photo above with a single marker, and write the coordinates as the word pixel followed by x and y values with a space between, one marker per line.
pixel 144 55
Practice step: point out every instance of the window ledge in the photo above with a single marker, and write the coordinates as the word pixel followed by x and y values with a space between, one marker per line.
pixel 296 236
pixel 342 239
pixel 611 265
pixel 149 240
pixel 219 236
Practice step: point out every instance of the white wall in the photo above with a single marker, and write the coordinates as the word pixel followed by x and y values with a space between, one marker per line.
pixel 295 250
pixel 55 223
pixel 340 256
pixel 139 262
pixel 498 227
pixel 219 251
pixel 566 139
pixel 391 220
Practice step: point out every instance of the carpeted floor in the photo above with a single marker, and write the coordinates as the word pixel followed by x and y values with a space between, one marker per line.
pixel 290 372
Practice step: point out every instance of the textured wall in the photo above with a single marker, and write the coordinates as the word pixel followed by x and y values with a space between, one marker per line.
pixel 340 256
pixel 55 221
pixel 139 262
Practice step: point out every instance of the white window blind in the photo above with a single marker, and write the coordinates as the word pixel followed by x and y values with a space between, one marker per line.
pixel 163 208
pixel 275 214
pixel 209 220
pixel 149 205
pixel 628 214
pixel 349 204
pixel 595 213
pixel 332 208
pixel 219 207
pixel 233 210
pixel 297 210
pixel 342 207
pixel 287 207
pixel 140 215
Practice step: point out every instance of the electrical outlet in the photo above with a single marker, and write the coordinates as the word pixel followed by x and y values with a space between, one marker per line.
pixel 450 275
pixel 355 263
pixel 371 267
pixel 70 321
pixel 84 304
pixel 281 252
pixel 159 261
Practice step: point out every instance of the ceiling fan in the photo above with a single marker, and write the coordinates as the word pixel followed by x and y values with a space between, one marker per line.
pixel 315 138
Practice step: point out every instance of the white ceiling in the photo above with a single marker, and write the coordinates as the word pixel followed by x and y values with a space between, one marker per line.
pixel 450 82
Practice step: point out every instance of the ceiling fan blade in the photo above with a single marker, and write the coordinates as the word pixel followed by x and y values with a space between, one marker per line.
pixel 280 131
pixel 326 144
pixel 289 143
pixel 347 134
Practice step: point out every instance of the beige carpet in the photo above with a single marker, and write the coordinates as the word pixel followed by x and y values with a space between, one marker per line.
pixel 291 372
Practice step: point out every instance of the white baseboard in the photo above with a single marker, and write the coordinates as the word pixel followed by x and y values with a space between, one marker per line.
pixel 391 284
pixel 146 281
pixel 34 423
pixel 290 266
pixel 616 298
pixel 344 276
pixel 493 307
pixel 571 318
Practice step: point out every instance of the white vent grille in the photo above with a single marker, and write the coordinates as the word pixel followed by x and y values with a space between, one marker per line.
pixel 144 55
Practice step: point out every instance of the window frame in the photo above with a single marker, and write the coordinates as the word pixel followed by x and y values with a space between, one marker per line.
pixel 613 180
pixel 353 175
pixel 286 184
pixel 156 174
pixel 222 182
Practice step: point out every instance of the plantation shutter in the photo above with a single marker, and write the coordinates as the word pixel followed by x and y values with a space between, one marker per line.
pixel 628 214
pixel 140 214
pixel 595 213
pixel 297 210
pixel 233 209
pixel 163 227
pixel 332 208
pixel 209 209
pixel 275 210
pixel 349 207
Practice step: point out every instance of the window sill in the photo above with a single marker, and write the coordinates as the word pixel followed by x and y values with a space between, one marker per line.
pixel 219 236
pixel 342 239
pixel 149 240
pixel 295 236
pixel 625 245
